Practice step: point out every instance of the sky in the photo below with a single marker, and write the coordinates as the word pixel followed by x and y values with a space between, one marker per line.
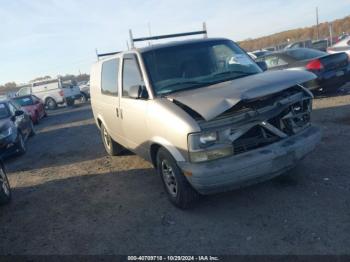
pixel 52 37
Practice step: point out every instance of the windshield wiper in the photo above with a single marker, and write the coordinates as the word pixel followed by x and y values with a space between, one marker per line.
pixel 240 73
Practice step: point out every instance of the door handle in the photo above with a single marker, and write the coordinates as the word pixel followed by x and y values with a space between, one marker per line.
pixel 121 113
pixel 117 111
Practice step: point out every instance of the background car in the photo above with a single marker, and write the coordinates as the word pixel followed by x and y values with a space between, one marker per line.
pixel 332 71
pixel 84 90
pixel 341 46
pixel 299 44
pixel 53 92
pixel 16 127
pixel 262 52
pixel 32 105
pixel 320 45
pixel 5 189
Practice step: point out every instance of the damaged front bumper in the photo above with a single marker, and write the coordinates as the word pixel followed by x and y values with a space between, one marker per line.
pixel 252 166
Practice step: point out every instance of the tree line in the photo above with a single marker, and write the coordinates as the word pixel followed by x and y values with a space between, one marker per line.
pixel 339 27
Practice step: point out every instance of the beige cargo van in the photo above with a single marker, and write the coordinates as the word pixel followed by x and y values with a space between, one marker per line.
pixel 203 113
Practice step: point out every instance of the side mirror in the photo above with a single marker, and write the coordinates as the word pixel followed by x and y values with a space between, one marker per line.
pixel 19 113
pixel 262 65
pixel 138 91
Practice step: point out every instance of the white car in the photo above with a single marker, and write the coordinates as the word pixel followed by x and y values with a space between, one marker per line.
pixel 52 92
pixel 341 46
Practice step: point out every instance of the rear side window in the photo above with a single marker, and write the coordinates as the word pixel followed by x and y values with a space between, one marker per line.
pixel 131 74
pixel 109 77
pixel 304 53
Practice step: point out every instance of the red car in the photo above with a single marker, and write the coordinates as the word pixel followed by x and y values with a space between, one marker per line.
pixel 33 105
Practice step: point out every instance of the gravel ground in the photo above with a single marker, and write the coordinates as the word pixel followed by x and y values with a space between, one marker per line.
pixel 69 197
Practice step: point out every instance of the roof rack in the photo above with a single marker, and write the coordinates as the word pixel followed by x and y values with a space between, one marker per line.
pixel 133 40
pixel 105 54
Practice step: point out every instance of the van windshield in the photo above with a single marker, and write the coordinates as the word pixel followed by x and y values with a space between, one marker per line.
pixel 194 65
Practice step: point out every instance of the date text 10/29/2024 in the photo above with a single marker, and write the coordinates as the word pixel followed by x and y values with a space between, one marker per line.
pixel 173 258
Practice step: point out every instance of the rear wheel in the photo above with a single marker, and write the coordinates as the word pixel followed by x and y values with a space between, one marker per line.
pixel 112 147
pixel 70 102
pixel 179 191
pixel 50 103
pixel 5 189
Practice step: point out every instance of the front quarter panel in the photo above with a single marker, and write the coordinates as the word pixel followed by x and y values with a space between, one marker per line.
pixel 169 127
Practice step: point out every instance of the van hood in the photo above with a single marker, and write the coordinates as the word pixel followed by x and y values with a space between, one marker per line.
pixel 213 100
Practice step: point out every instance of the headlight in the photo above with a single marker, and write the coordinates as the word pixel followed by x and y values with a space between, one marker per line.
pixel 6 132
pixel 206 155
pixel 208 146
pixel 208 138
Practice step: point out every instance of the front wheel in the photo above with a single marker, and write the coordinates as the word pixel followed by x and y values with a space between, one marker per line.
pixel 83 98
pixel 112 147
pixel 32 129
pixel 179 191
pixel 21 145
pixel 5 189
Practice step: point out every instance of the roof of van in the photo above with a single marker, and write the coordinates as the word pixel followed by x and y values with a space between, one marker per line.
pixel 165 45
pixel 178 43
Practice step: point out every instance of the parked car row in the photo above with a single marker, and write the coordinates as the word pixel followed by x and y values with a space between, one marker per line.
pixel 332 70
pixel 53 92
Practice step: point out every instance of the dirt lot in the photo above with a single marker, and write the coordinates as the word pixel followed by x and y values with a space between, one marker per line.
pixel 70 198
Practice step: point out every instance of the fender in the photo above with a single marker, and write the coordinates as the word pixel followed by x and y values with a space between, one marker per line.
pixel 174 151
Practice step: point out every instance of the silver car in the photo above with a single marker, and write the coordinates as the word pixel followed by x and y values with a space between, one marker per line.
pixel 204 114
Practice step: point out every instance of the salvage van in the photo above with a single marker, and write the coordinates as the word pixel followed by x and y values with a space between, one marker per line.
pixel 203 113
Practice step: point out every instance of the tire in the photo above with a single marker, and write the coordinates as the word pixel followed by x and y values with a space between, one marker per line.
pixel 70 102
pixel 178 189
pixel 83 98
pixel 112 147
pixel 32 129
pixel 5 189
pixel 50 103
pixel 21 146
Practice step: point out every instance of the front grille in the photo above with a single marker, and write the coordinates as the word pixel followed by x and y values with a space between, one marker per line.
pixel 254 138
pixel 295 118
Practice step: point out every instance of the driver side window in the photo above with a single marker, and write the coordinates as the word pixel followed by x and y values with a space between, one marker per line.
pixel 131 74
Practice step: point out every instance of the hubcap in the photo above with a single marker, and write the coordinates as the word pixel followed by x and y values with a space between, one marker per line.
pixel 4 183
pixel 106 138
pixel 169 178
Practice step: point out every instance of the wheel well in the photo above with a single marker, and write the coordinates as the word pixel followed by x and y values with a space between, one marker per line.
pixel 99 122
pixel 153 151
